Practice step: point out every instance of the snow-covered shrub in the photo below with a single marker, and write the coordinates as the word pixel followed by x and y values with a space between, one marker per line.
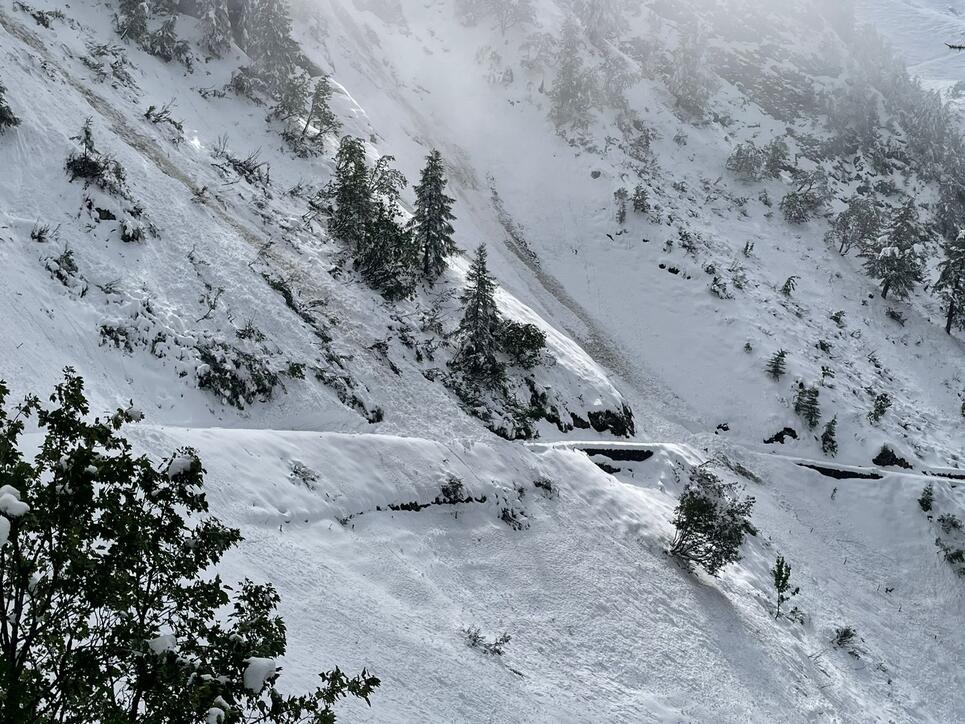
pixel 64 269
pixel 846 638
pixel 522 342
pixel 130 535
pixel 239 378
pixel 746 162
pixel 7 117
pixel 927 498
pixel 94 167
pixel 475 640
pixel 711 520
pixel 452 491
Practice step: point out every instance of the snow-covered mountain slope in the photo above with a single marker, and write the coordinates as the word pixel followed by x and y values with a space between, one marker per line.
pixel 229 290
pixel 681 348
pixel 321 415
pixel 920 29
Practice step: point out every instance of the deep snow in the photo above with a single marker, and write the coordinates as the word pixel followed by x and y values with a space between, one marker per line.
pixel 604 626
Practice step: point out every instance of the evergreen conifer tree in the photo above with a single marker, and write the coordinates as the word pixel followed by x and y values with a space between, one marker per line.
pixel 215 27
pixel 320 117
pixel 806 405
pixel 432 222
pixel 570 94
pixel 270 44
pixel 829 438
pixel 746 162
pixel 131 20
pixel 352 206
pixel 781 574
pixel 776 365
pixel 365 215
pixel 7 117
pixel 641 199
pixel 881 406
pixel 951 280
pixel 479 330
pixel 620 196
pixel 859 225
pixel 775 158
pixel 897 258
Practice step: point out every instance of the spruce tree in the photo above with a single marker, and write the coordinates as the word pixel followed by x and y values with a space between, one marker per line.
pixel 320 116
pixel 131 20
pixel 215 27
pixel 746 162
pixel 353 209
pixel 432 222
pixel 829 438
pixel 776 365
pixel 806 405
pixel 881 406
pixel 951 281
pixel 365 215
pixel 897 258
pixel 775 158
pixel 620 196
pixel 270 44
pixel 570 95
pixel 385 257
pixel 7 117
pixel 641 199
pixel 242 13
pixel 781 573
pixel 478 333
pixel 859 225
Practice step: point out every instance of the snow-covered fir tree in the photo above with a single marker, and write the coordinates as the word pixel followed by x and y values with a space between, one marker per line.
pixel 215 27
pixel 570 94
pixel 829 438
pixel 164 43
pixel 352 205
pixel 7 117
pixel 365 215
pixel 241 14
pixel 950 285
pixel 806 405
pixel 897 258
pixel 385 255
pixel 270 45
pixel 479 330
pixel 688 80
pixel 432 222
pixel 321 119
pixel 746 162
pixel 858 226
pixel 131 19
pixel 601 18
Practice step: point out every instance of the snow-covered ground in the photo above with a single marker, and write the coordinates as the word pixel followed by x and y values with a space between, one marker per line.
pixel 604 625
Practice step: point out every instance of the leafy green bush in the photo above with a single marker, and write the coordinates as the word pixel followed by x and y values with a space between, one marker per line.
pixel 108 610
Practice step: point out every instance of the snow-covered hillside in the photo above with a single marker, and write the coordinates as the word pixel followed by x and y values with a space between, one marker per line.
pixel 208 291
